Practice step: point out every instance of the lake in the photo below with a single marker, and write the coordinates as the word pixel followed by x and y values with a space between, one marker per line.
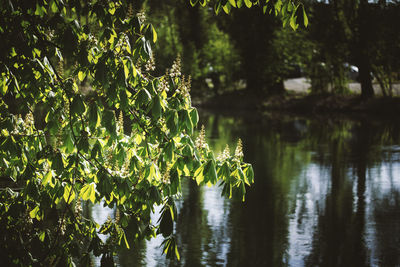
pixel 326 193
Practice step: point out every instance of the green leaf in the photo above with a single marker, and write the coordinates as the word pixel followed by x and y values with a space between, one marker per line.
pixel 172 122
pixel 217 7
pixel 166 224
pixel 156 108
pixel 81 75
pixel 126 241
pixel 185 121
pixel 42 236
pixel 126 68
pixel 293 22
pixel 243 187
pixel 210 172
pixel 59 55
pixel 68 142
pixel 198 175
pixel 143 97
pixel 249 174
pixel 188 122
pixel 224 171
pixel 293 19
pixel 96 150
pixel 194 116
pixel 232 2
pixel 242 177
pixel 169 151
pixel 54 7
pixel 305 18
pixel 83 143
pixel 47 178
pixel 4 86
pixel 69 194
pixel 108 121
pixel 154 33
pixel 88 192
pixel 94 118
pixel 227 8
pixel 77 106
pixel 124 99
pixel 104 187
pixel 248 3
pixel 33 213
pixel 48 66
pixel 57 163
pixel 177 253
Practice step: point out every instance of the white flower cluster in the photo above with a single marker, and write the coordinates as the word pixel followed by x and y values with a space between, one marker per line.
pixel 166 177
pixel 239 150
pixel 150 64
pixel 120 123
pixel 17 122
pixel 29 120
pixel 163 84
pixel 78 207
pixel 201 139
pixel 184 87
pixel 62 225
pixel 66 107
pixel 175 70
pixel 142 16
pixel 226 154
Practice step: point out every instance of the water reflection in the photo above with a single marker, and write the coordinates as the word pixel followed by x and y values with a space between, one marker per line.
pixel 326 193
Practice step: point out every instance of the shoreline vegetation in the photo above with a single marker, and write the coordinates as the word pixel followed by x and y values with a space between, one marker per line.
pixel 298 100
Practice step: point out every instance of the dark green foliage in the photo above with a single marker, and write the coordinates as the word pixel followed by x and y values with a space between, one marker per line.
pixel 83 119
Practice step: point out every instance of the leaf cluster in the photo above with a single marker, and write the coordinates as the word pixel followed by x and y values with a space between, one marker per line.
pixel 290 10
pixel 83 122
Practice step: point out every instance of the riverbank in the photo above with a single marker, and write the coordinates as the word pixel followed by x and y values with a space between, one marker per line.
pixel 304 104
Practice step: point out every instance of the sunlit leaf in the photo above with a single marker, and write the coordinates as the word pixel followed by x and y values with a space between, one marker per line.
pixel 88 192
pixel 198 175
pixel 305 18
pixel 47 178
pixel 33 213
pixel 81 75
pixel 248 3
pixel 69 194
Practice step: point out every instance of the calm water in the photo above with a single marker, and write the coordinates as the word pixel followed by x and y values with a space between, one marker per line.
pixel 326 193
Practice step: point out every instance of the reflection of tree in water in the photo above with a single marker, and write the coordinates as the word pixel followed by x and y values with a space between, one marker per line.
pixel 387 225
pixel 385 212
pixel 259 237
pixel 191 228
pixel 202 239
pixel 340 240
pixel 333 235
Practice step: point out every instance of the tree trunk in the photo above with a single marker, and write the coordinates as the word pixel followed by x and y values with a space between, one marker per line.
pixel 364 65
pixel 364 68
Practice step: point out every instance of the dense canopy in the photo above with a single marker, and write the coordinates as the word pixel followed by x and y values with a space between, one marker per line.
pixel 84 120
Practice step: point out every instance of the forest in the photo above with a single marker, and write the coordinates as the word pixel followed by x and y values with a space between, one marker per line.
pixel 344 42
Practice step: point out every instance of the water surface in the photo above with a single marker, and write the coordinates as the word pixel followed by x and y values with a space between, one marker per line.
pixel 326 193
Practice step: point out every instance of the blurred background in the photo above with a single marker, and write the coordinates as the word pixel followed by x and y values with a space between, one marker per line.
pixel 348 46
